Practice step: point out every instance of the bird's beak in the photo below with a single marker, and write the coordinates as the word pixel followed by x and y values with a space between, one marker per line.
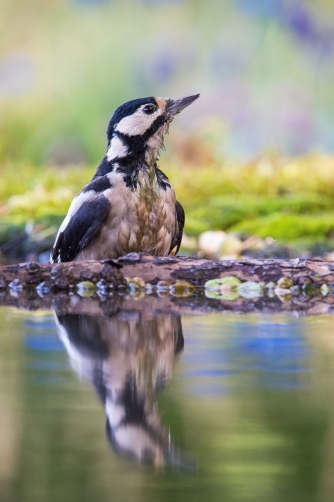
pixel 175 106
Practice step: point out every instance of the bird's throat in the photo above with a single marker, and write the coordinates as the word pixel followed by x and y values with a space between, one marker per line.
pixel 147 186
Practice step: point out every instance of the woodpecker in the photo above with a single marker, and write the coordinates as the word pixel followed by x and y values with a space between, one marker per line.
pixel 128 358
pixel 129 205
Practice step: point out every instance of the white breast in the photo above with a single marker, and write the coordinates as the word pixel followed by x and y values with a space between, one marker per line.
pixel 139 220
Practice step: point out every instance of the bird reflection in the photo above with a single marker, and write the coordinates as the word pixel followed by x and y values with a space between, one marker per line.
pixel 127 357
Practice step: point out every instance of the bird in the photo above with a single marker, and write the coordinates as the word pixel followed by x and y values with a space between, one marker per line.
pixel 127 358
pixel 129 205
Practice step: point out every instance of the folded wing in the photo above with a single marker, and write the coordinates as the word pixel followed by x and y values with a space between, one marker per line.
pixel 80 229
pixel 179 224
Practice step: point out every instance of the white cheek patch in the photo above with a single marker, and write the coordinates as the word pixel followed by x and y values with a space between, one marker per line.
pixel 137 123
pixel 116 149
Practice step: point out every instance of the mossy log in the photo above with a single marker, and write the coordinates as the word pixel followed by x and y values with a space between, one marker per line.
pixel 152 269
pixel 45 286
pixel 197 271
pixel 60 276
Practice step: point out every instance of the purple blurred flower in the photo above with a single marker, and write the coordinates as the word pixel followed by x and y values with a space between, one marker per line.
pixel 150 2
pixel 325 133
pixel 232 100
pixel 261 8
pixel 16 73
pixel 296 16
pixel 164 65
pixel 327 42
pixel 300 21
pixel 228 62
pixel 90 2
pixel 291 118
pixel 161 65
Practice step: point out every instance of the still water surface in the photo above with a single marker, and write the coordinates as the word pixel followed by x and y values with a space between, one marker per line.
pixel 134 408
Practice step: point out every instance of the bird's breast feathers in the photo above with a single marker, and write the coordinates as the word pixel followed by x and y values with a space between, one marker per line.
pixel 140 219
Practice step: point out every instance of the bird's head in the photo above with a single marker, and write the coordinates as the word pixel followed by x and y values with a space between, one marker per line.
pixel 138 126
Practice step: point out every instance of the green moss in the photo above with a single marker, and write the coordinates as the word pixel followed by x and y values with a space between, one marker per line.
pixel 227 212
pixel 289 227
pixel 291 201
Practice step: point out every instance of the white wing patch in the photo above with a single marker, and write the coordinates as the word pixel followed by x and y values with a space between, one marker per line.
pixel 75 205
pixel 83 366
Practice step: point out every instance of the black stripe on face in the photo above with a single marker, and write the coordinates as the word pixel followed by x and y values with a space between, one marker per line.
pixel 159 121
pixel 98 185
pixel 138 142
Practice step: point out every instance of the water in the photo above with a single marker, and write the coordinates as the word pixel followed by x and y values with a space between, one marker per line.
pixel 143 405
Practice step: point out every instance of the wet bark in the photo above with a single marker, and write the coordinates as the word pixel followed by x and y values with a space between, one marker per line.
pixel 197 271
pixel 45 286
pixel 60 276
pixel 154 269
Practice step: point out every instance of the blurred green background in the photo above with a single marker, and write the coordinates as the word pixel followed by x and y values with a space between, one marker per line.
pixel 252 158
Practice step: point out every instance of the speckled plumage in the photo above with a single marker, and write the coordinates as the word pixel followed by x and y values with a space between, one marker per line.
pixel 129 206
pixel 137 220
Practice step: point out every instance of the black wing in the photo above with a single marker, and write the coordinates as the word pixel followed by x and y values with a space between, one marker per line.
pixel 85 333
pixel 177 237
pixel 81 229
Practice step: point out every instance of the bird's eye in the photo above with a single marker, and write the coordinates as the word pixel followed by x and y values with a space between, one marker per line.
pixel 149 109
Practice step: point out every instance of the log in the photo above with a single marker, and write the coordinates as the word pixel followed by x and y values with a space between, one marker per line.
pixel 197 271
pixel 153 269
pixel 60 276
pixel 45 286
